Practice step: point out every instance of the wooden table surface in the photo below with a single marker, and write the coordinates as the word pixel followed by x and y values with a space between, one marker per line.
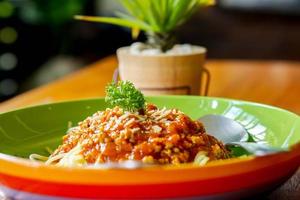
pixel 271 82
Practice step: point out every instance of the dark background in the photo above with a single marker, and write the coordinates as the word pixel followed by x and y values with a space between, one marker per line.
pixel 40 41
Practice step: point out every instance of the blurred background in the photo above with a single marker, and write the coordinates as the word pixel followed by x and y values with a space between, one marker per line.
pixel 40 41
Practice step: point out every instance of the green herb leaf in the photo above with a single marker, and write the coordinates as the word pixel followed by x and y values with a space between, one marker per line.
pixel 252 148
pixel 125 95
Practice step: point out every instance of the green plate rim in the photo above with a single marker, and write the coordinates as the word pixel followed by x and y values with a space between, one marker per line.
pixel 160 96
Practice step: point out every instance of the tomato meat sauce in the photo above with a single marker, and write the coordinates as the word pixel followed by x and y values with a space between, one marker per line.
pixel 158 136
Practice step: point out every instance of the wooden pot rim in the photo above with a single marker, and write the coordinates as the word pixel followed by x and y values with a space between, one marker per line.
pixel 124 51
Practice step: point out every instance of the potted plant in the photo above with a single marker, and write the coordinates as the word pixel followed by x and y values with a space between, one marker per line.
pixel 159 66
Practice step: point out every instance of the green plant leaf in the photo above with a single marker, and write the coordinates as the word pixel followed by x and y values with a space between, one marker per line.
pixel 150 16
pixel 178 8
pixel 132 9
pixel 159 18
pixel 154 12
pixel 115 21
pixel 164 13
pixel 137 21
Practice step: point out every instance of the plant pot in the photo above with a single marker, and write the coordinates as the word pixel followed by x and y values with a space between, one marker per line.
pixel 164 73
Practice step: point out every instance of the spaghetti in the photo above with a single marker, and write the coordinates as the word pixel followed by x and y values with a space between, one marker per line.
pixel 157 136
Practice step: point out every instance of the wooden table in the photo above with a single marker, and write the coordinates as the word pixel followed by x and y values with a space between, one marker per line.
pixel 276 83
pixel 272 82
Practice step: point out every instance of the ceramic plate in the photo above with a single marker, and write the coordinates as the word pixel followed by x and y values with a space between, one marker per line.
pixel 31 130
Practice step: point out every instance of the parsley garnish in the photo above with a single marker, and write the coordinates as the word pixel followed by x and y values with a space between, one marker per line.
pixel 125 95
